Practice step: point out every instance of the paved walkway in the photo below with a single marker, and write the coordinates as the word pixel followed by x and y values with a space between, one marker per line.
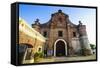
pixel 57 59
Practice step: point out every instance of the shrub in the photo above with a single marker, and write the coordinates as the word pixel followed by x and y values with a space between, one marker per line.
pixel 92 46
pixel 41 54
pixel 37 56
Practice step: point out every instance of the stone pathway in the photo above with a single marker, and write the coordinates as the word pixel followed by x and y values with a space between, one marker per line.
pixel 60 59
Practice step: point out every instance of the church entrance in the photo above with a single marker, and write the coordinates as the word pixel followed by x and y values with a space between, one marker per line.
pixel 60 48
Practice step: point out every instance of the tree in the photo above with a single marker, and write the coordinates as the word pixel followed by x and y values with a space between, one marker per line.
pixel 92 46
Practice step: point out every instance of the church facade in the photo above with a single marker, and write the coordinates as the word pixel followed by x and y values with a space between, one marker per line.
pixel 63 38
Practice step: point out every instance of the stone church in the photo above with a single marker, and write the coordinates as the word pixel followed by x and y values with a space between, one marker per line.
pixel 63 38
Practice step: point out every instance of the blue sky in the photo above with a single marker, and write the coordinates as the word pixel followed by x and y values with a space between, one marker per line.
pixel 86 15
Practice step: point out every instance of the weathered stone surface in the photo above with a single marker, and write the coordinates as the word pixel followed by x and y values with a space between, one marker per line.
pixel 60 22
pixel 29 42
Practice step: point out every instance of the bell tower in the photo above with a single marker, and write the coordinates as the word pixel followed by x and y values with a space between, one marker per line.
pixel 36 26
pixel 84 42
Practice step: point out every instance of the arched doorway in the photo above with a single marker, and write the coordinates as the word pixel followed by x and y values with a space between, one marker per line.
pixel 60 48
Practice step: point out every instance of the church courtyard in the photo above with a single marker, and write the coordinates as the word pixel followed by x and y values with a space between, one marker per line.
pixel 62 59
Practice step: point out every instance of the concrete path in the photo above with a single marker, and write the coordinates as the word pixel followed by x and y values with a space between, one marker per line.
pixel 60 59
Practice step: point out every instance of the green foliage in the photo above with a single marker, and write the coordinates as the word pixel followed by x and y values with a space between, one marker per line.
pixel 38 55
pixel 41 55
pixel 92 46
